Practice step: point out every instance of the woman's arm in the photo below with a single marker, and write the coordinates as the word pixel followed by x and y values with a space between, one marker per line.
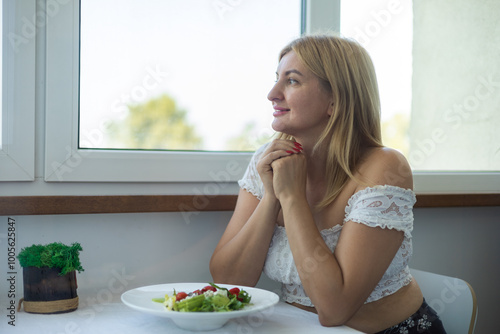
pixel 240 254
pixel 338 284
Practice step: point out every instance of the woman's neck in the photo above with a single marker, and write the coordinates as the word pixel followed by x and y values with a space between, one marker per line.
pixel 316 161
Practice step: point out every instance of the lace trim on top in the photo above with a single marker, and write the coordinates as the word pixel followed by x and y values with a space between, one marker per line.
pixel 251 179
pixel 382 206
pixel 379 206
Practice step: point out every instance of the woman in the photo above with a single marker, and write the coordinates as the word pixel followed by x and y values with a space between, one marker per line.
pixel 325 209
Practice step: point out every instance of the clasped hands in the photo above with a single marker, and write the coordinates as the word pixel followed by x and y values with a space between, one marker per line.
pixel 282 169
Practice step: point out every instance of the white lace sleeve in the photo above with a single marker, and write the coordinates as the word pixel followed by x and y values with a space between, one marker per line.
pixel 251 181
pixel 383 206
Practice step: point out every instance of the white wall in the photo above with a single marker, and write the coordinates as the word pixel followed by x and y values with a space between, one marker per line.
pixel 463 242
pixel 124 251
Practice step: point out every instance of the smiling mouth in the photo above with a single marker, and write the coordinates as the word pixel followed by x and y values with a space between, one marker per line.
pixel 280 111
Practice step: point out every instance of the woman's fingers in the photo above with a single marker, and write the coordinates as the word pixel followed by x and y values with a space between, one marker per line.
pixel 289 145
pixel 271 157
pixel 280 148
pixel 289 175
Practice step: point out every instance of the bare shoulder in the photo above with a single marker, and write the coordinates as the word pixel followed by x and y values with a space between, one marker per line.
pixel 385 166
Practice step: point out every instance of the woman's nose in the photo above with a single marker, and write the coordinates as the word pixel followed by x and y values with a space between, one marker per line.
pixel 275 93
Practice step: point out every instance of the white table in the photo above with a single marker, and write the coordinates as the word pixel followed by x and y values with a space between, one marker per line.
pixel 118 318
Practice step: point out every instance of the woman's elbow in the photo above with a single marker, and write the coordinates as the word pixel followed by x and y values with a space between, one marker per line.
pixel 230 275
pixel 330 322
pixel 331 318
pixel 216 270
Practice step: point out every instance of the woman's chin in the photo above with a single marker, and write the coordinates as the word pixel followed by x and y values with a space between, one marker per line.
pixel 284 130
pixel 278 126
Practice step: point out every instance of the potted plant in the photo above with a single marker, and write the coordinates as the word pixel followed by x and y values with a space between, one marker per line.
pixel 49 277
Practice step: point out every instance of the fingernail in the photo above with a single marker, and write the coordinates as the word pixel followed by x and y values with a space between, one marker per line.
pixel 298 144
pixel 297 149
pixel 289 152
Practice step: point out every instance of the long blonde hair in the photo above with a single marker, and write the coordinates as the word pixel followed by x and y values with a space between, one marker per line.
pixel 344 68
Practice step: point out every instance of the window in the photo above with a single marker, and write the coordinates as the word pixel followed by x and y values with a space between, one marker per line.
pixel 189 75
pixel 413 61
pixel 213 59
pixel 439 81
pixel 17 91
pixel 68 159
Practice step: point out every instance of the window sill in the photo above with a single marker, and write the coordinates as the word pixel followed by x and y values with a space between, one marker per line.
pixel 53 205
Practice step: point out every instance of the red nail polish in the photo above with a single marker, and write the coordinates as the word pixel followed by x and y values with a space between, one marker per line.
pixel 298 145
pixel 297 149
pixel 289 152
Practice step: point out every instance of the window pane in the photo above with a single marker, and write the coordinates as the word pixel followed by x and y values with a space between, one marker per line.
pixel 385 30
pixel 456 86
pixel 180 75
pixel 438 72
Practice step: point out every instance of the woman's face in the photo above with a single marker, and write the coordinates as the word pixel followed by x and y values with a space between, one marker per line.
pixel 301 104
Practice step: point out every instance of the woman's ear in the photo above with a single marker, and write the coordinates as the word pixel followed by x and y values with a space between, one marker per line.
pixel 330 109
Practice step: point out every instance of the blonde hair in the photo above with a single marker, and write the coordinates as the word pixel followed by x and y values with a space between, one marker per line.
pixel 345 69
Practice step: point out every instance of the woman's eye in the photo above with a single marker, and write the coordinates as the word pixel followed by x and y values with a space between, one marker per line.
pixel 290 81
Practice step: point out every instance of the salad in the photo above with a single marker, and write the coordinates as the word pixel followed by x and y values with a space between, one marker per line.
pixel 211 298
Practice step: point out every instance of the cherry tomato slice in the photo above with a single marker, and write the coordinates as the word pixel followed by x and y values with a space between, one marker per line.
pixel 180 296
pixel 234 291
pixel 208 288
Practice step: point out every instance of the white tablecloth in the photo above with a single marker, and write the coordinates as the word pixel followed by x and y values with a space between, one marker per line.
pixel 118 318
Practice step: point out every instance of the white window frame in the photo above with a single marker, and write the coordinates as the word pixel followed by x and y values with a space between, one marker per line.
pixel 17 155
pixel 64 162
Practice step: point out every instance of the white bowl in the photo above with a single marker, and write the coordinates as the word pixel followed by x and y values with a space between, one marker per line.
pixel 141 299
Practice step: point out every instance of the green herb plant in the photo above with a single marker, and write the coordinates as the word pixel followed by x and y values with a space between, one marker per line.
pixel 54 255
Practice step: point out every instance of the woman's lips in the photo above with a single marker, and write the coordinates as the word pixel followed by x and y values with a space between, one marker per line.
pixel 280 111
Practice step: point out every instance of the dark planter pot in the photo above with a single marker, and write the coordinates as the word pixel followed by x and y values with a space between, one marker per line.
pixel 45 291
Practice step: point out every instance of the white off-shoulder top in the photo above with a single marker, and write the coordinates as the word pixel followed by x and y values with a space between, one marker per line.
pixel 380 206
